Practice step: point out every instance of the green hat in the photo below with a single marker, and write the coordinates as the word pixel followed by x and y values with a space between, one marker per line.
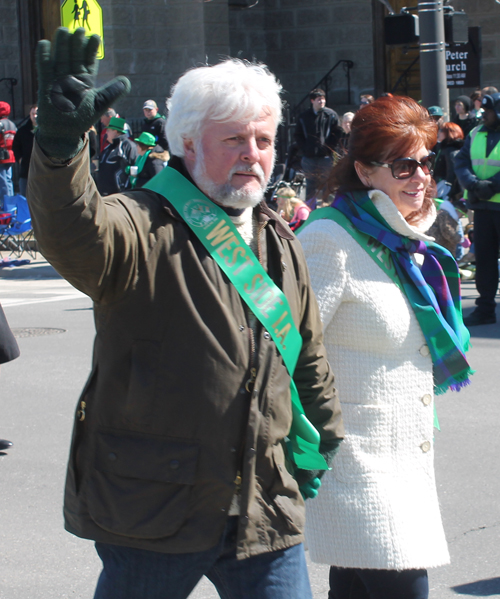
pixel 117 124
pixel 146 138
pixel 435 110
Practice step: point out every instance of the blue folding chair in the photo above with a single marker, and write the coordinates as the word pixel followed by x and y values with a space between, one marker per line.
pixel 6 217
pixel 19 237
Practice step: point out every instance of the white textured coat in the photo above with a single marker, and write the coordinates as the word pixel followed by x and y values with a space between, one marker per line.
pixel 378 506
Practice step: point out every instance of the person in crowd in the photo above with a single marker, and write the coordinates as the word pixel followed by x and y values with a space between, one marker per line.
pixel 436 112
pixel 102 127
pixel 447 230
pixel 365 99
pixel 395 343
pixel 7 159
pixel 177 468
pixel 291 208
pixel 148 162
pixel 478 171
pixel 9 350
pixel 488 91
pixel 22 147
pixel 451 139
pixel 464 118
pixel 342 146
pixel 476 98
pixel 155 124
pixel 317 134
pixel 347 121
pixel 121 153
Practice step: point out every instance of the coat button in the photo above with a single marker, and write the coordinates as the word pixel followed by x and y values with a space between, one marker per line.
pixel 426 446
pixel 426 399
pixel 424 350
pixel 112 456
pixel 267 335
pixel 241 327
pixel 251 450
pixel 283 265
pixel 174 464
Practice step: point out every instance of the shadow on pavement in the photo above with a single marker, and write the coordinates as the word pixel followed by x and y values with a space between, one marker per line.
pixel 480 588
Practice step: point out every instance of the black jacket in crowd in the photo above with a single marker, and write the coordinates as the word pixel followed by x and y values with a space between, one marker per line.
pixel 113 161
pixel 157 127
pixel 154 164
pixel 317 134
pixel 466 124
pixel 445 160
pixel 22 146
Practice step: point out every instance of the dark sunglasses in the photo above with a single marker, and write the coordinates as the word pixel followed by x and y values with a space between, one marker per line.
pixel 404 168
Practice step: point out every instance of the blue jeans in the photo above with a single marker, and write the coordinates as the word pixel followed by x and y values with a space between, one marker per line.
pixel 357 583
pixel 6 185
pixel 139 574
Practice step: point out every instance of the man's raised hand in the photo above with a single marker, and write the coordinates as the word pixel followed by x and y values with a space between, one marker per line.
pixel 68 102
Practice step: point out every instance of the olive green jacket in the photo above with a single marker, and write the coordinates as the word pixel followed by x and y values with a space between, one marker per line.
pixel 165 421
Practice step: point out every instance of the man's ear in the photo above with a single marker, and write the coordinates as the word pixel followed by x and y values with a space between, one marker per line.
pixel 362 173
pixel 189 150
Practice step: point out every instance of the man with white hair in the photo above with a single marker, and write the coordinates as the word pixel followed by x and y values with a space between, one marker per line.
pixel 203 311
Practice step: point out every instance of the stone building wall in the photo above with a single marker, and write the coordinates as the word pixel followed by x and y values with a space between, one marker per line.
pixel 10 62
pixel 301 41
pixel 485 14
pixel 154 44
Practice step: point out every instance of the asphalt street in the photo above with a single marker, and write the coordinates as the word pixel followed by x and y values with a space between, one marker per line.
pixel 38 394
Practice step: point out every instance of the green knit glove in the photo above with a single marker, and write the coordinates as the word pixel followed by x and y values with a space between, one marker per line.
pixel 68 102
pixel 309 490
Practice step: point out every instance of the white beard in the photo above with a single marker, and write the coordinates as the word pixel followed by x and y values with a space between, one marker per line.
pixel 225 194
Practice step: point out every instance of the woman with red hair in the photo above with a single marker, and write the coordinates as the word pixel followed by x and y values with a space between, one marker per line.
pixel 390 306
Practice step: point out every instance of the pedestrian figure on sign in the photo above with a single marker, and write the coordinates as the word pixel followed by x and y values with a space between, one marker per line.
pixel 76 12
pixel 86 13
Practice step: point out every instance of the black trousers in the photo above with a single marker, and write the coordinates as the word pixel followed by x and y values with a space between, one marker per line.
pixel 486 246
pixel 356 583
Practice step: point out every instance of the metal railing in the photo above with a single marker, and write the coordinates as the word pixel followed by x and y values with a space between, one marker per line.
pixel 325 83
pixel 287 128
pixel 404 79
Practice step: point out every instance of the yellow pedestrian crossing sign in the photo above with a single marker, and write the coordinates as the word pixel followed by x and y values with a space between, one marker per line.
pixel 86 14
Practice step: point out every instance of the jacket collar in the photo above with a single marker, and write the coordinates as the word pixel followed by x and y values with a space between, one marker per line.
pixel 262 211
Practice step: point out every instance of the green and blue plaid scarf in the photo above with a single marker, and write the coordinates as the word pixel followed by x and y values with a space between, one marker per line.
pixel 432 290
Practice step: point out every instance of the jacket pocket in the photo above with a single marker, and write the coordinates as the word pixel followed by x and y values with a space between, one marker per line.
pixel 141 486
pixel 285 494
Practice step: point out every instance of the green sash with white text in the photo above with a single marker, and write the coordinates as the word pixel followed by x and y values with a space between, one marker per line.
pixel 221 239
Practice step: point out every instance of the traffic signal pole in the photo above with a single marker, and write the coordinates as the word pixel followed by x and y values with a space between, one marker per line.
pixel 433 56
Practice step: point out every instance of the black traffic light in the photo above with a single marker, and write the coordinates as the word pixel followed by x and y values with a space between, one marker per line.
pixel 456 27
pixel 401 29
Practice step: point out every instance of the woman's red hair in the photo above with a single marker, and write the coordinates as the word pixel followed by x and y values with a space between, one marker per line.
pixel 383 131
pixel 452 131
